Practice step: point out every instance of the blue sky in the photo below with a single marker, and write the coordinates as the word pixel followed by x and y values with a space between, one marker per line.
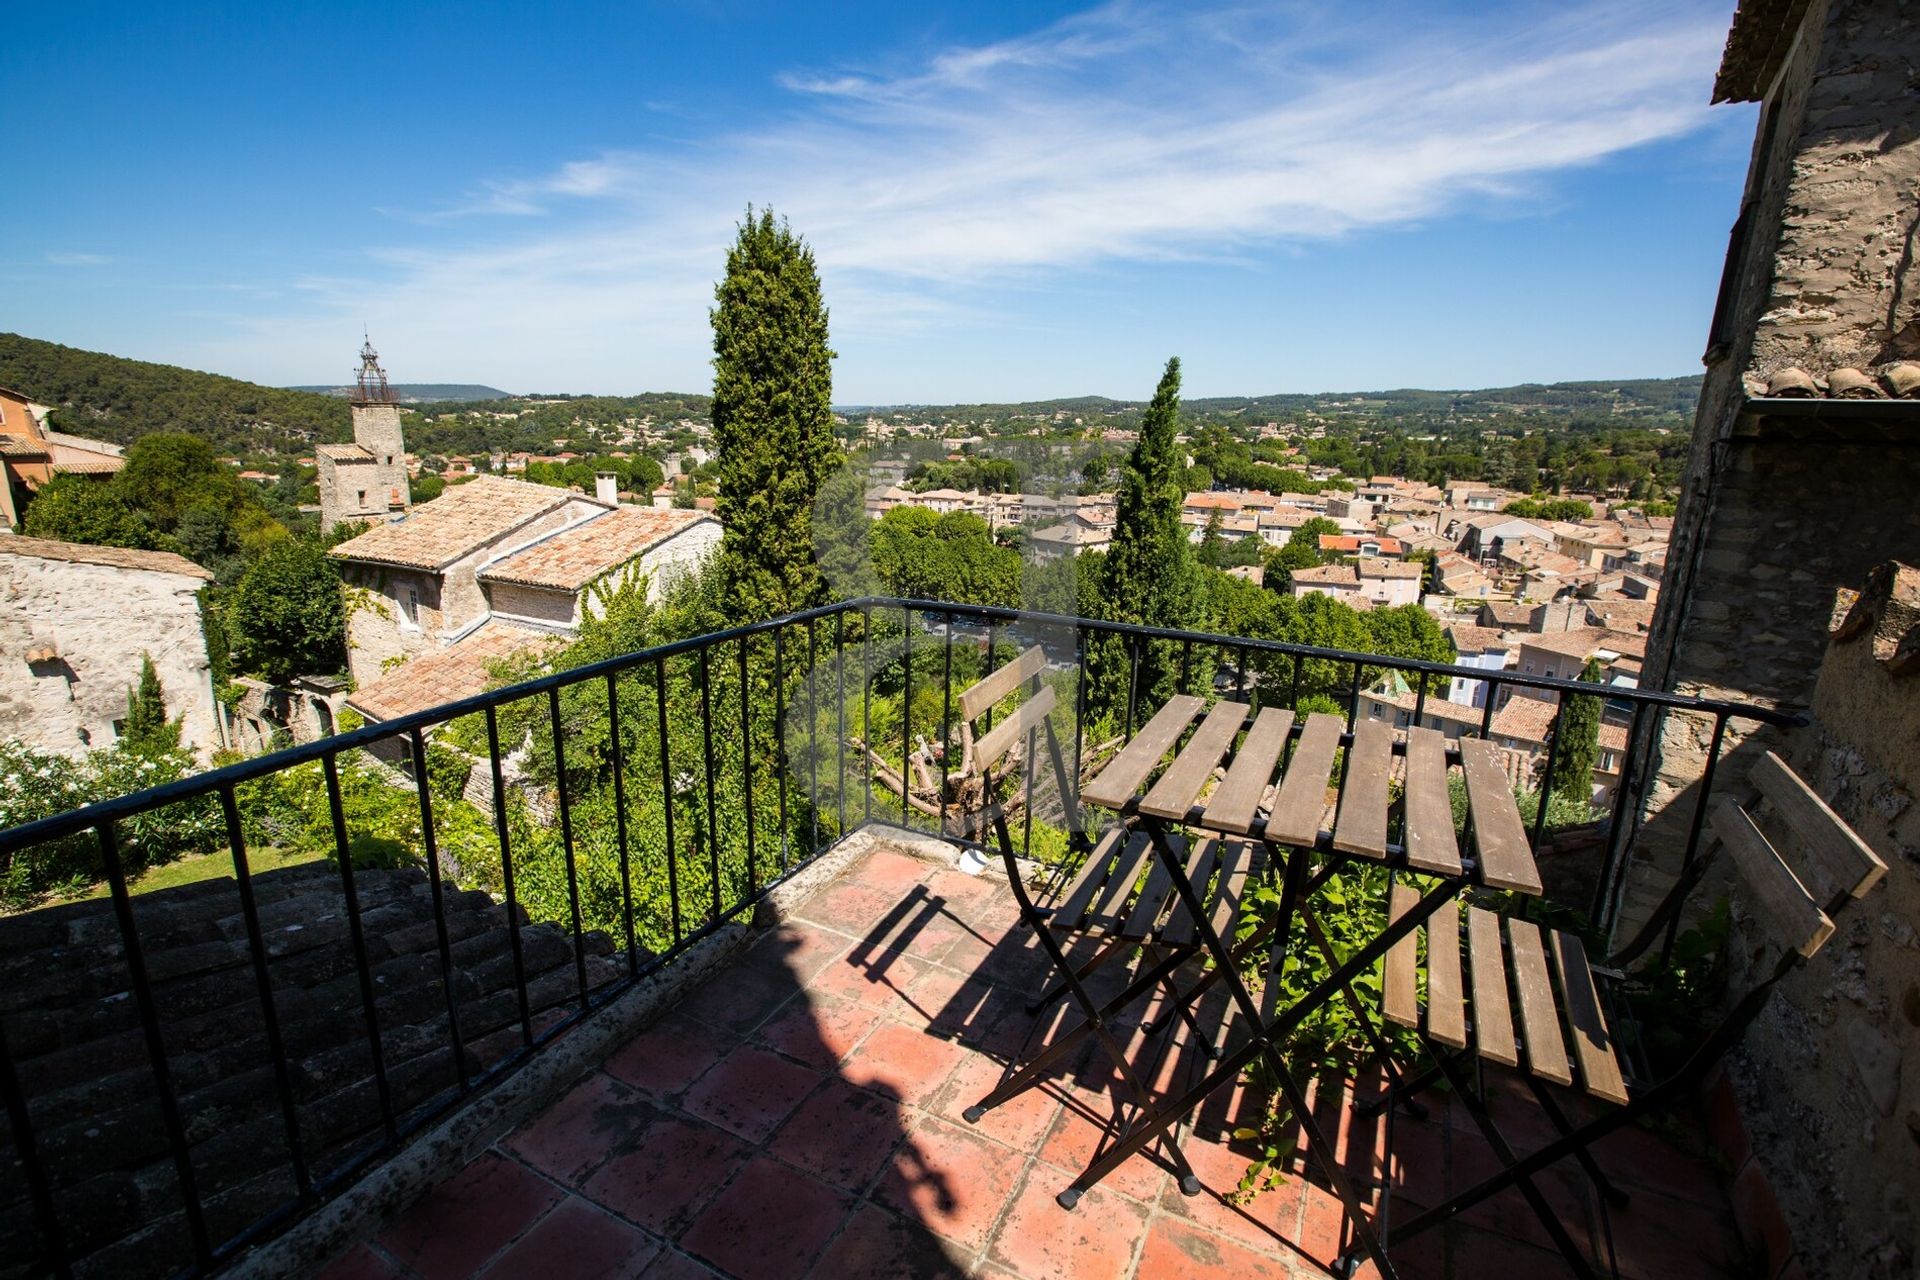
pixel 1006 200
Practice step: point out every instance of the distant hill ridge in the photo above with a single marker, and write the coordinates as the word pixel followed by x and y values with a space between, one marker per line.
pixel 425 392
pixel 116 399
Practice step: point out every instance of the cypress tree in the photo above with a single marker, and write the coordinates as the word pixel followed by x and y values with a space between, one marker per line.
pixel 772 420
pixel 1577 744
pixel 1150 574
pixel 148 729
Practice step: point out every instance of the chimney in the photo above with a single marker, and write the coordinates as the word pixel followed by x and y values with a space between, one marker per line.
pixel 606 487
pixel 663 496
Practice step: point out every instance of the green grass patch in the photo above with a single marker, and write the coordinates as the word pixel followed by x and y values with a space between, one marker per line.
pixel 209 866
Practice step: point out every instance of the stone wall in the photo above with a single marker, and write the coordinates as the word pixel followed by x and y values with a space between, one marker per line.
pixel 1775 514
pixel 69 702
pixel 1832 1112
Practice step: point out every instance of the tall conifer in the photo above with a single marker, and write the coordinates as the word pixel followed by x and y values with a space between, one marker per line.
pixel 1150 576
pixel 772 420
pixel 1577 744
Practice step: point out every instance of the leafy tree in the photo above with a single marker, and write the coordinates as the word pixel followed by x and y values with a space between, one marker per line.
pixel 920 555
pixel 1150 572
pixel 75 509
pixel 1577 744
pixel 148 730
pixel 168 473
pixel 288 616
pixel 772 418
pixel 1549 509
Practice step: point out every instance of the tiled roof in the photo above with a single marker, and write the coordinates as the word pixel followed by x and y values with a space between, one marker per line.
pixel 21 447
pixel 111 557
pixel 1375 567
pixel 465 516
pixel 1331 575
pixel 101 466
pixel 1524 719
pixel 580 553
pixel 1583 642
pixel 1469 638
pixel 344 453
pixel 447 676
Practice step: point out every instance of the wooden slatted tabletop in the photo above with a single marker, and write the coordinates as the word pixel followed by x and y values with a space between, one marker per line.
pixel 1234 767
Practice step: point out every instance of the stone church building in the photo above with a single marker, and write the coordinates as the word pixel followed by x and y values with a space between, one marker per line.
pixel 366 480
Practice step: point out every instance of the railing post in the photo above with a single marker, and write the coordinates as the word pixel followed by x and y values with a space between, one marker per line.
pixel 946 717
pixel 906 719
pixel 1604 888
pixel 506 875
pixel 713 809
pixel 619 762
pixel 666 796
pixel 566 842
pixel 840 712
pixel 356 932
pixel 1546 775
pixel 746 767
pixel 866 714
pixel 781 758
pixel 443 944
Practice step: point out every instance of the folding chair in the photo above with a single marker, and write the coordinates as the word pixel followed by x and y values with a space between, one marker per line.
pixel 1109 902
pixel 1564 1009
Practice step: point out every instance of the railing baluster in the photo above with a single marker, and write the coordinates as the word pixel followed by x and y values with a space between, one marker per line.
pixel 1240 674
pixel 1133 677
pixel 1186 666
pixel 906 720
pixel 619 761
pixel 813 735
pixel 1079 705
pixel 713 810
pixel 866 714
pixel 666 797
pixel 566 843
pixel 357 935
pixel 946 719
pixel 780 730
pixel 840 711
pixel 27 1150
pixel 263 984
pixel 993 640
pixel 1604 888
pixel 746 767
pixel 1694 826
pixel 1353 699
pixel 506 875
pixel 443 944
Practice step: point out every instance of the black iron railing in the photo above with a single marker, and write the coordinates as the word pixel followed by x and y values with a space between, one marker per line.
pixel 777 717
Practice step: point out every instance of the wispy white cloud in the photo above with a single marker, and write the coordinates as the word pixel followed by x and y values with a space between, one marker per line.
pixel 78 259
pixel 1133 132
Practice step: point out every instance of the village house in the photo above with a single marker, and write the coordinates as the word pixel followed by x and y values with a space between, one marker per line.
pixel 502 555
pixel 1483 538
pixel 1484 648
pixel 1341 581
pixel 1350 544
pixel 31 455
pixel 78 621
pixel 1389 583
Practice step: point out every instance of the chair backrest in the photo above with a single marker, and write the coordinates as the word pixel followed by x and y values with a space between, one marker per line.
pixel 990 748
pixel 1825 865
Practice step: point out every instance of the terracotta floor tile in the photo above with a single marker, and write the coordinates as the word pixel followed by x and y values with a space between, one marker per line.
pixel 1180 1251
pixel 674 1265
pixel 795 952
pixel 951 1182
pixel 903 1063
pixel 668 1056
pixel 750 1091
pixel 917 924
pixel 740 1000
pixel 891 869
pixel 361 1262
pixel 880 1245
pixel 1659 1236
pixel 579 1241
pixel 769 1224
pixel 573 1136
pixel 1022 1122
pixel 1078 1137
pixel 1041 1241
pixel 880 983
pixel 850 907
pixel 673 1169
pixel 819 1030
pixel 467 1219
pixel 841 1134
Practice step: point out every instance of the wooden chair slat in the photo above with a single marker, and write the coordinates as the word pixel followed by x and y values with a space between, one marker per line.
pixel 1486 967
pixel 1592 1043
pixel 1499 837
pixel 1179 930
pixel 1120 780
pixel 1087 881
pixel 1180 785
pixel 987 751
pixel 1152 901
pixel 1111 901
pixel 1401 1001
pixel 1235 800
pixel 1430 840
pixel 1801 923
pixel 1539 1017
pixel 1847 861
pixel 1446 1002
pixel 986 692
pixel 1295 819
pixel 1360 828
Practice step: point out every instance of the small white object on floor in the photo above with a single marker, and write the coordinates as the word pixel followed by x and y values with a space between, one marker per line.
pixel 972 862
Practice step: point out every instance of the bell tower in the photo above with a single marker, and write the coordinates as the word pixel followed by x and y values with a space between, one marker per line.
pixel 366 480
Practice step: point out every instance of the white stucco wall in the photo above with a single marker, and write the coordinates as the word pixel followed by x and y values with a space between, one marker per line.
pixel 102 620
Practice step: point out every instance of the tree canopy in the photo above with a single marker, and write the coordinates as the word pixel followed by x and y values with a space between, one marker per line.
pixel 772 418
pixel 287 617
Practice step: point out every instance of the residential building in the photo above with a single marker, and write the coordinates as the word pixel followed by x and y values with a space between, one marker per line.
pixel 1341 581
pixel 32 454
pixel 1389 583
pixel 79 620
pixel 1484 648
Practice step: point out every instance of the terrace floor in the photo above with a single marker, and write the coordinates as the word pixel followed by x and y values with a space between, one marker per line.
pixel 799 1115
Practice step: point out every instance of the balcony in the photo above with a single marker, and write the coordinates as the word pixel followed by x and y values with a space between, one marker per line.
pixel 712 1004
